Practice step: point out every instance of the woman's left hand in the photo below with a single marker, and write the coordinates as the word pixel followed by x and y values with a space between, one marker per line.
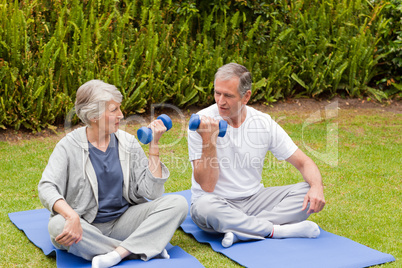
pixel 158 128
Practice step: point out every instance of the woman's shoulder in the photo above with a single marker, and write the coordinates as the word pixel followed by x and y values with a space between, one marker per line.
pixel 74 139
pixel 127 140
pixel 123 135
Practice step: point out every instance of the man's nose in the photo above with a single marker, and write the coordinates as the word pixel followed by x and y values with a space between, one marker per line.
pixel 221 100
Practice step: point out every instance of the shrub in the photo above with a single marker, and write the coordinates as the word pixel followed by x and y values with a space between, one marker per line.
pixel 390 79
pixel 164 51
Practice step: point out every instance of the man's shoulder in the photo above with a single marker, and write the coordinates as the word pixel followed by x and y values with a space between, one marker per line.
pixel 254 111
pixel 256 116
pixel 209 111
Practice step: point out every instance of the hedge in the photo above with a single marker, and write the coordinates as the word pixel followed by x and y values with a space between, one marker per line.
pixel 161 51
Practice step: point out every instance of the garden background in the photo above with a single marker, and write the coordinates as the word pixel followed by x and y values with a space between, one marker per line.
pixel 347 54
pixel 165 51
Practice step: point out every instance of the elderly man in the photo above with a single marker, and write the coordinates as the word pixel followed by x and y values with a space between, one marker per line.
pixel 227 194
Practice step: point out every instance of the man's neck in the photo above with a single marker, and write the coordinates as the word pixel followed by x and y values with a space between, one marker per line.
pixel 237 121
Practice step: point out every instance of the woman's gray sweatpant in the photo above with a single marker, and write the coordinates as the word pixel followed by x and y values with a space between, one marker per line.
pixel 252 217
pixel 144 229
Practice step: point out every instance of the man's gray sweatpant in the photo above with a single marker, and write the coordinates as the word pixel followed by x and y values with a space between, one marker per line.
pixel 252 217
pixel 144 229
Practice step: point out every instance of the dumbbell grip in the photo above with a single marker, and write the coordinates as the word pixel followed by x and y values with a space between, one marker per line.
pixel 144 134
pixel 195 121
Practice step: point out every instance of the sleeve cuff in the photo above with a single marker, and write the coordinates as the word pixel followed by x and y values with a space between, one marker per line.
pixel 165 174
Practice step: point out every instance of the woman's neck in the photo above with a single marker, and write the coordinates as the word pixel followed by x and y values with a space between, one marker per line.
pixel 97 138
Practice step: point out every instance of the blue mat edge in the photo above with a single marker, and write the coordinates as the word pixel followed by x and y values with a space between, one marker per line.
pixel 50 250
pixel 187 194
pixel 385 259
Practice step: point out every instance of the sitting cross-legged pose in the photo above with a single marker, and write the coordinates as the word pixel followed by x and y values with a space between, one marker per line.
pixel 227 194
pixel 98 183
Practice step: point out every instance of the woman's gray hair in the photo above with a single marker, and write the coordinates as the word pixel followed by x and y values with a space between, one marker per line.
pixel 92 97
pixel 230 70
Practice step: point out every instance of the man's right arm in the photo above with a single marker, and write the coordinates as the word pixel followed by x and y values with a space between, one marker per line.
pixel 206 169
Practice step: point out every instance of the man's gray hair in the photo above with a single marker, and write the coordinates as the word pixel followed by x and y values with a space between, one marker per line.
pixel 230 70
pixel 92 97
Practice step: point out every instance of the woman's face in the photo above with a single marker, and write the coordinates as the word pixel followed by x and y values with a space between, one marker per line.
pixel 110 120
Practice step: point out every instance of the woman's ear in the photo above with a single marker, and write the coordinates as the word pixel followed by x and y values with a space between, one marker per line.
pixel 93 121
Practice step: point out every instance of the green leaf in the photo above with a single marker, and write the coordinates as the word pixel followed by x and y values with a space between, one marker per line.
pixel 298 80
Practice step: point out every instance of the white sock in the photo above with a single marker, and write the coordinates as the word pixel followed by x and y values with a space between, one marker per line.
pixel 229 239
pixel 306 229
pixel 163 255
pixel 107 260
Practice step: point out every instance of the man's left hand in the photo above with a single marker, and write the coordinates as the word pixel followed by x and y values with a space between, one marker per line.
pixel 316 198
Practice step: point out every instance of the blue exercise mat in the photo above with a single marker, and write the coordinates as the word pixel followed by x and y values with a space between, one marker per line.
pixel 327 250
pixel 34 224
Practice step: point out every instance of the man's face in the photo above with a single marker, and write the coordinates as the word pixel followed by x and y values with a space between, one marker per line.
pixel 228 99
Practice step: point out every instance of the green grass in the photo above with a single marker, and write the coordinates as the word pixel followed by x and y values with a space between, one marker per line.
pixel 363 191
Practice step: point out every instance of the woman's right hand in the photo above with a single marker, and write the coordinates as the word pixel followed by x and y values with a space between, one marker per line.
pixel 72 231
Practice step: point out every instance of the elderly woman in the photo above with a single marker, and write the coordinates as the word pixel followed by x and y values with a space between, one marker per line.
pixel 97 183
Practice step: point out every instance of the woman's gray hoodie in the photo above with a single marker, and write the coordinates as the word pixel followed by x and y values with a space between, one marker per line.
pixel 69 175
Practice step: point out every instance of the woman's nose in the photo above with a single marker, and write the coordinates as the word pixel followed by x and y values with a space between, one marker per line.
pixel 120 116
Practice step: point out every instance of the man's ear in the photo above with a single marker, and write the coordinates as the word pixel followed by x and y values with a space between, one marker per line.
pixel 246 97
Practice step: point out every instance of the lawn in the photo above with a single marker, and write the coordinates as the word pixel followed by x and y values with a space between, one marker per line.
pixel 358 151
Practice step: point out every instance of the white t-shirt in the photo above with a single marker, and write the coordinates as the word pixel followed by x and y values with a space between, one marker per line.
pixel 241 153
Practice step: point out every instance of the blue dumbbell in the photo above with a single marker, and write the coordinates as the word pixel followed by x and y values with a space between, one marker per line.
pixel 144 134
pixel 195 121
